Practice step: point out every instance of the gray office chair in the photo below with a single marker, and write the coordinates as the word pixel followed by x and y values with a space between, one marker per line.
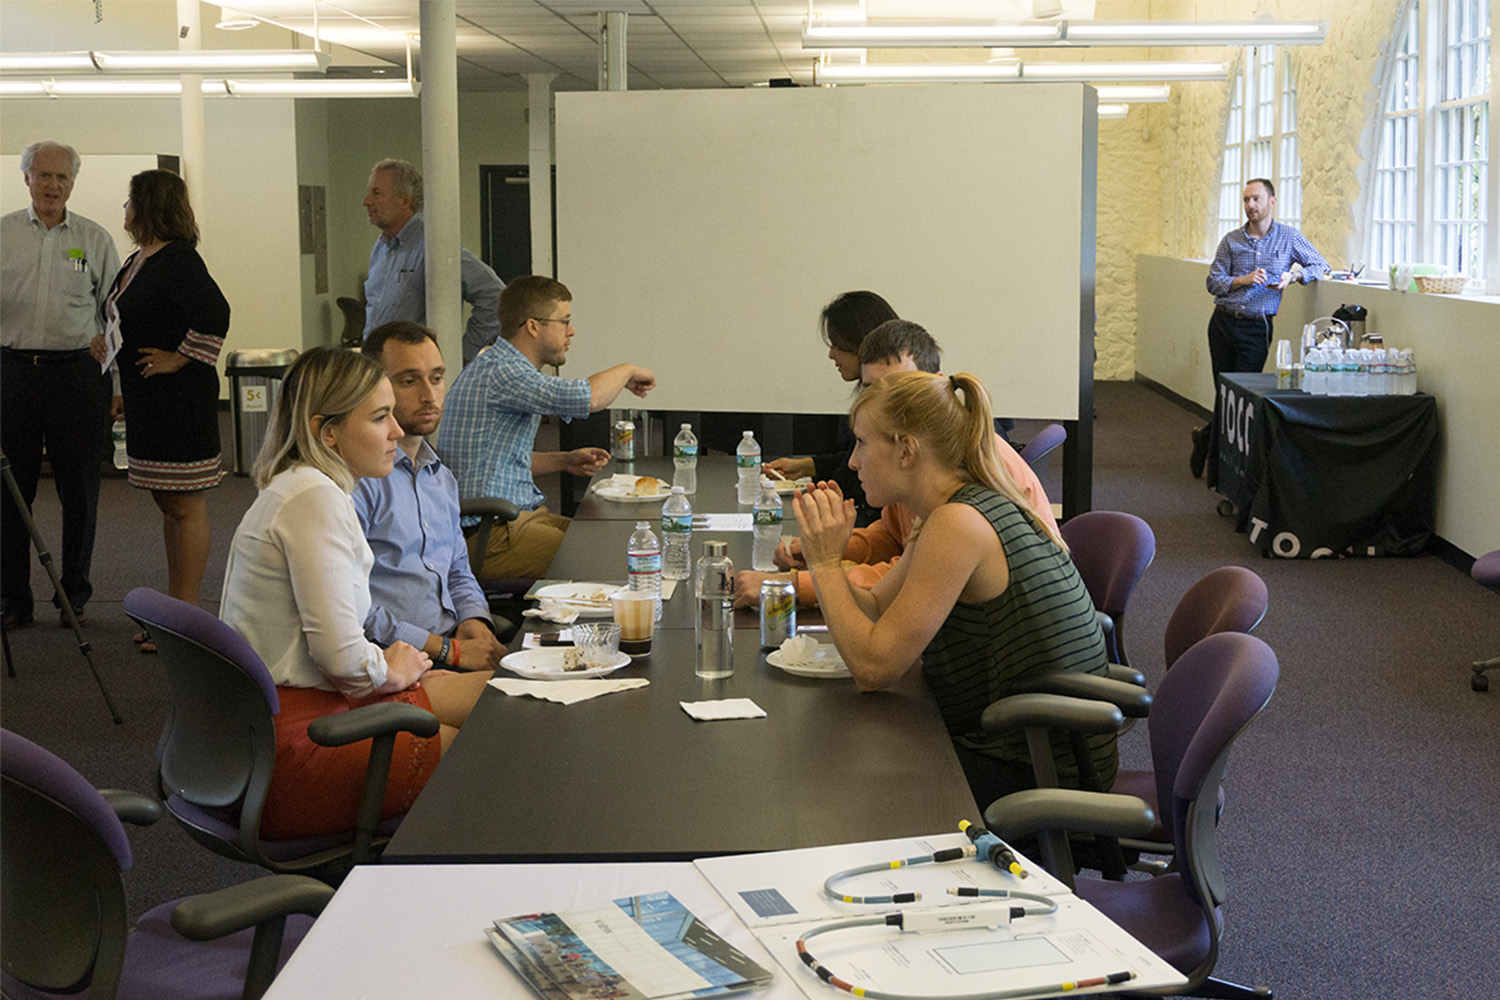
pixel 1203 704
pixel 63 915
pixel 1486 571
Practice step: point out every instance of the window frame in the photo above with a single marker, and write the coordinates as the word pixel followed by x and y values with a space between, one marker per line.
pixel 1262 104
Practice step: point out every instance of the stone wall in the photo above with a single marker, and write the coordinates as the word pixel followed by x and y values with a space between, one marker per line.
pixel 1159 166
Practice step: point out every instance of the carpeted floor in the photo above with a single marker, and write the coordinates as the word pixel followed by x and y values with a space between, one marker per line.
pixel 1359 838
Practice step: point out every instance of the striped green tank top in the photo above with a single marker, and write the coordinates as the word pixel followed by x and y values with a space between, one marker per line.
pixel 1044 621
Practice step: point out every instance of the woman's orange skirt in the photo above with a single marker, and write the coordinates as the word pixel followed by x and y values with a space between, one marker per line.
pixel 315 790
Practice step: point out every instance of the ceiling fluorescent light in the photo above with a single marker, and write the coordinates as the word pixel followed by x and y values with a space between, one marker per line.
pixel 1169 33
pixel 324 88
pixel 46 62
pixel 915 73
pixel 927 36
pixel 215 61
pixel 1113 110
pixel 1123 72
pixel 22 88
pixel 1144 94
pixel 234 20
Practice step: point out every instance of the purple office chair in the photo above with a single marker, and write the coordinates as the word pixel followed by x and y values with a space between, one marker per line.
pixel 1042 445
pixel 63 917
pixel 1228 599
pixel 1205 701
pixel 1486 571
pixel 1111 550
pixel 215 755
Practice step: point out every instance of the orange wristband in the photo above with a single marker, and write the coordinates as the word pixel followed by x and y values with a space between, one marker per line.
pixel 455 653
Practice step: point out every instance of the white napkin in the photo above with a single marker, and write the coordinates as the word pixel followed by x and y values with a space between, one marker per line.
pixel 623 480
pixel 566 692
pixel 722 708
pixel 553 611
pixel 799 650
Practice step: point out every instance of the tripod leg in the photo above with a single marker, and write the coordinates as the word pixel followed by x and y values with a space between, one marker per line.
pixel 45 558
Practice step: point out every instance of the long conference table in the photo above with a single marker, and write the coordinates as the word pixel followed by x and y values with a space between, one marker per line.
pixel 629 776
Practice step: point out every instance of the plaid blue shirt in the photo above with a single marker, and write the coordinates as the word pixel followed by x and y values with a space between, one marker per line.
pixel 490 421
pixel 1240 253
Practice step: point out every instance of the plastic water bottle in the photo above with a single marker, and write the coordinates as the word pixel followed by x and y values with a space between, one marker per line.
pixel 714 625
pixel 643 562
pixel 685 460
pixel 767 522
pixel 747 457
pixel 118 433
pixel 677 536
pixel 1406 384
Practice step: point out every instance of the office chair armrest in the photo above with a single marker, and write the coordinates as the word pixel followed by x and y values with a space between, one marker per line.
pixel 1120 672
pixel 494 506
pixel 1082 715
pixel 132 807
pixel 213 915
pixel 1106 623
pixel 1023 814
pixel 1133 701
pixel 380 719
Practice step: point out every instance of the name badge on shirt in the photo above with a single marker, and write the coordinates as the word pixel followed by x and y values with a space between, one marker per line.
pixel 79 262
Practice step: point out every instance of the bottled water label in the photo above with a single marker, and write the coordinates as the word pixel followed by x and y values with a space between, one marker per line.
pixel 643 565
pixel 679 523
pixel 749 461
pixel 684 451
pixel 767 516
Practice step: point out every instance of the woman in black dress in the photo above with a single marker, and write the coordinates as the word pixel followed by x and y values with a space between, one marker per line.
pixel 171 319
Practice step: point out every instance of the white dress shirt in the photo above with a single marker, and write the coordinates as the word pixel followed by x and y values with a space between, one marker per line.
pixel 53 281
pixel 297 586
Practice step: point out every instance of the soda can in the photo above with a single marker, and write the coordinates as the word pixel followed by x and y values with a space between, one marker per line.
pixel 624 440
pixel 778 612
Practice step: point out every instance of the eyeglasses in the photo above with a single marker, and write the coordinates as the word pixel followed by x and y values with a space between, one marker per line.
pixel 544 319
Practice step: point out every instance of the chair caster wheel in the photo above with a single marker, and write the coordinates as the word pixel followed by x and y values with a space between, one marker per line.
pixel 1225 508
pixel 1480 683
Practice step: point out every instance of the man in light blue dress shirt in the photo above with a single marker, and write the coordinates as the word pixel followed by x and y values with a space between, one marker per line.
pixel 396 287
pixel 56 269
pixel 1250 268
pixel 421 587
pixel 495 407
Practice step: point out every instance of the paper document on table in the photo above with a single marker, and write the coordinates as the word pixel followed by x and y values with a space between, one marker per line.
pixel 780 887
pixel 647 946
pixel 1040 953
pixel 723 522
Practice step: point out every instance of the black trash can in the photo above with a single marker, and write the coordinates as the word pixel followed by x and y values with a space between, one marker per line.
pixel 255 383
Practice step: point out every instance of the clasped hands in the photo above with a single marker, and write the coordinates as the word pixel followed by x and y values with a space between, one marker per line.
pixel 1260 277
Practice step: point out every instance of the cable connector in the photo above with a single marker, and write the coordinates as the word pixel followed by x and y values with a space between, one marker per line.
pixel 951 918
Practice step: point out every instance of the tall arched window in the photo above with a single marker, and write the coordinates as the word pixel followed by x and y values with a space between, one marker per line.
pixel 1260 137
pixel 1428 191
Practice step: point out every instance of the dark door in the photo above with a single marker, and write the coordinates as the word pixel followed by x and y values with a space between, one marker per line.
pixel 505 204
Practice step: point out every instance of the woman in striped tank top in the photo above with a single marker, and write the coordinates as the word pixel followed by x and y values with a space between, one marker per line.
pixel 985 593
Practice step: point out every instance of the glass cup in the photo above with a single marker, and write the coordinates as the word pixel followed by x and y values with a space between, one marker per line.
pixel 598 642
pixel 1283 362
pixel 635 613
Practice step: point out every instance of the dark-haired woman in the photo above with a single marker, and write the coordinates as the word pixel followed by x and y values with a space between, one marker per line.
pixel 171 319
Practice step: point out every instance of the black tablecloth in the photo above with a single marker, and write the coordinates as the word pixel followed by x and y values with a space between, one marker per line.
pixel 1315 476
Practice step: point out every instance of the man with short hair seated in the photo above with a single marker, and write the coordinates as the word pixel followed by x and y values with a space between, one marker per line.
pixel 421 587
pixel 896 345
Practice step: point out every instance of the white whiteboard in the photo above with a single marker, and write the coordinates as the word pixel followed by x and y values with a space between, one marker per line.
pixel 702 232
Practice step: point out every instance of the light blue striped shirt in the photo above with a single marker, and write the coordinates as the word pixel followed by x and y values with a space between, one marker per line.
pixel 1240 253
pixel 490 420
pixel 397 286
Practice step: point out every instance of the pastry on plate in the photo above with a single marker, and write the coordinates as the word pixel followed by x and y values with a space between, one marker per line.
pixel 647 486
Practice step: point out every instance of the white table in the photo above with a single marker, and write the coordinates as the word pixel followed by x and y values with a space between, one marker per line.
pixel 401 931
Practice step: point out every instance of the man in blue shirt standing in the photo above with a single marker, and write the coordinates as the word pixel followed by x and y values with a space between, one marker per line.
pixel 421 587
pixel 495 407
pixel 396 287
pixel 1251 267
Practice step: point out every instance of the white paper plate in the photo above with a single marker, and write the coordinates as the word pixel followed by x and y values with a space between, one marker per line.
pixel 590 600
pixel 545 664
pixel 622 494
pixel 826 663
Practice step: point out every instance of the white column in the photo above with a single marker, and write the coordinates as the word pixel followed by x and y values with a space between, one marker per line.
pixel 612 50
pixel 441 176
pixel 539 166
pixel 190 38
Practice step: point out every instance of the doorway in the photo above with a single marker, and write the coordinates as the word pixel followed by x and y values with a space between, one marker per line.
pixel 505 207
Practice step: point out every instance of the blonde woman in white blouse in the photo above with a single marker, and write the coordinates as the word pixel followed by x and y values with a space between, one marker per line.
pixel 297 588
